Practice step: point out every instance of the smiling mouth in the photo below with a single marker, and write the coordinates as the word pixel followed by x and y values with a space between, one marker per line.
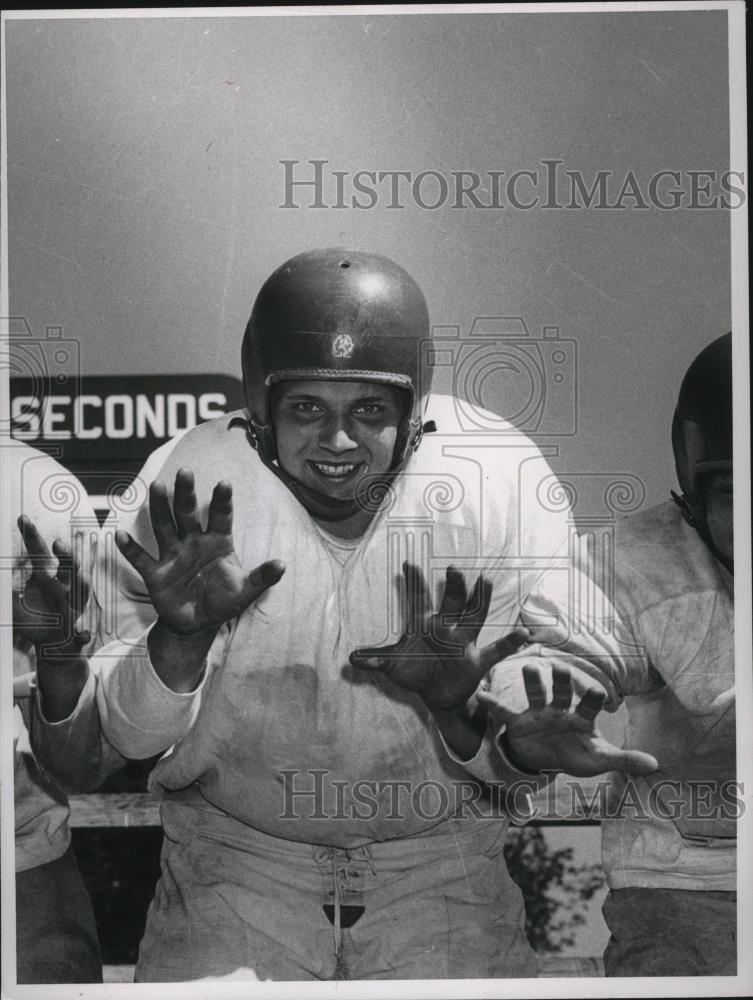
pixel 336 471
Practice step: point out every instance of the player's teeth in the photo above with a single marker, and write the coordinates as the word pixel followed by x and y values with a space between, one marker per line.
pixel 335 470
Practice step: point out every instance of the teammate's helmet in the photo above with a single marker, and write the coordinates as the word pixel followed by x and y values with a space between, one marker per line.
pixel 337 314
pixel 702 424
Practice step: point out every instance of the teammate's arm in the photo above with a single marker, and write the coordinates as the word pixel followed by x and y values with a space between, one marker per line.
pixel 45 614
pixel 56 613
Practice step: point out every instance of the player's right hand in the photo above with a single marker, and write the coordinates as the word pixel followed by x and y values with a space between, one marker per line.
pixel 196 583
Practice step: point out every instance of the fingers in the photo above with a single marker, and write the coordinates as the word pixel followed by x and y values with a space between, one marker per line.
pixel 591 703
pixel 81 636
pixel 455 596
pixel 504 647
pixel 221 509
pixel 36 547
pixel 417 597
pixel 62 586
pixel 468 614
pixel 588 707
pixel 185 506
pixel 70 574
pixel 169 530
pixel 261 579
pixel 562 688
pixel 477 608
pixel 372 657
pixel 163 525
pixel 534 687
pixel 65 562
pixel 139 558
pixel 183 521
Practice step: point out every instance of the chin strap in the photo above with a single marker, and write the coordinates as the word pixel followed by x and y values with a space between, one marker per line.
pixel 371 493
pixel 696 518
pixel 318 504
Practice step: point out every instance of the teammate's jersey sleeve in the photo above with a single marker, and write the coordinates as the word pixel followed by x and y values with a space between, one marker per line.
pixel 491 766
pixel 74 752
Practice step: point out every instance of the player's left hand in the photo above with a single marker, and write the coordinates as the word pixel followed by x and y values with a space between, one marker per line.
pixel 437 656
pixel 553 736
pixel 55 595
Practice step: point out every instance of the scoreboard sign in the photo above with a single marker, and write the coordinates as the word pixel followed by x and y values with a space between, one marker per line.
pixel 103 428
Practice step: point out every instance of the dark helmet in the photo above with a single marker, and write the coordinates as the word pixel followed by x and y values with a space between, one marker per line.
pixel 702 425
pixel 337 314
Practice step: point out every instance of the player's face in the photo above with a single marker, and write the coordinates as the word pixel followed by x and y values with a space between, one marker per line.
pixel 718 502
pixel 329 433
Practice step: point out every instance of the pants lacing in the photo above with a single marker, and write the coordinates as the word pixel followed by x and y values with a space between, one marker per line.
pixel 344 870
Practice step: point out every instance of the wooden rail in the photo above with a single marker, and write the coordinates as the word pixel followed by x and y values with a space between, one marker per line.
pixel 109 809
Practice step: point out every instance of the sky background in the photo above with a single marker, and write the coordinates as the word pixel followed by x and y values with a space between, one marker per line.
pixel 145 187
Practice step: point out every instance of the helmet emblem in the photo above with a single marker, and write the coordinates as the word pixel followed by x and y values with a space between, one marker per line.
pixel 342 346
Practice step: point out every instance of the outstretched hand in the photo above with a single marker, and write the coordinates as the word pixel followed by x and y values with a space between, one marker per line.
pixel 552 736
pixel 437 656
pixel 55 595
pixel 196 583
